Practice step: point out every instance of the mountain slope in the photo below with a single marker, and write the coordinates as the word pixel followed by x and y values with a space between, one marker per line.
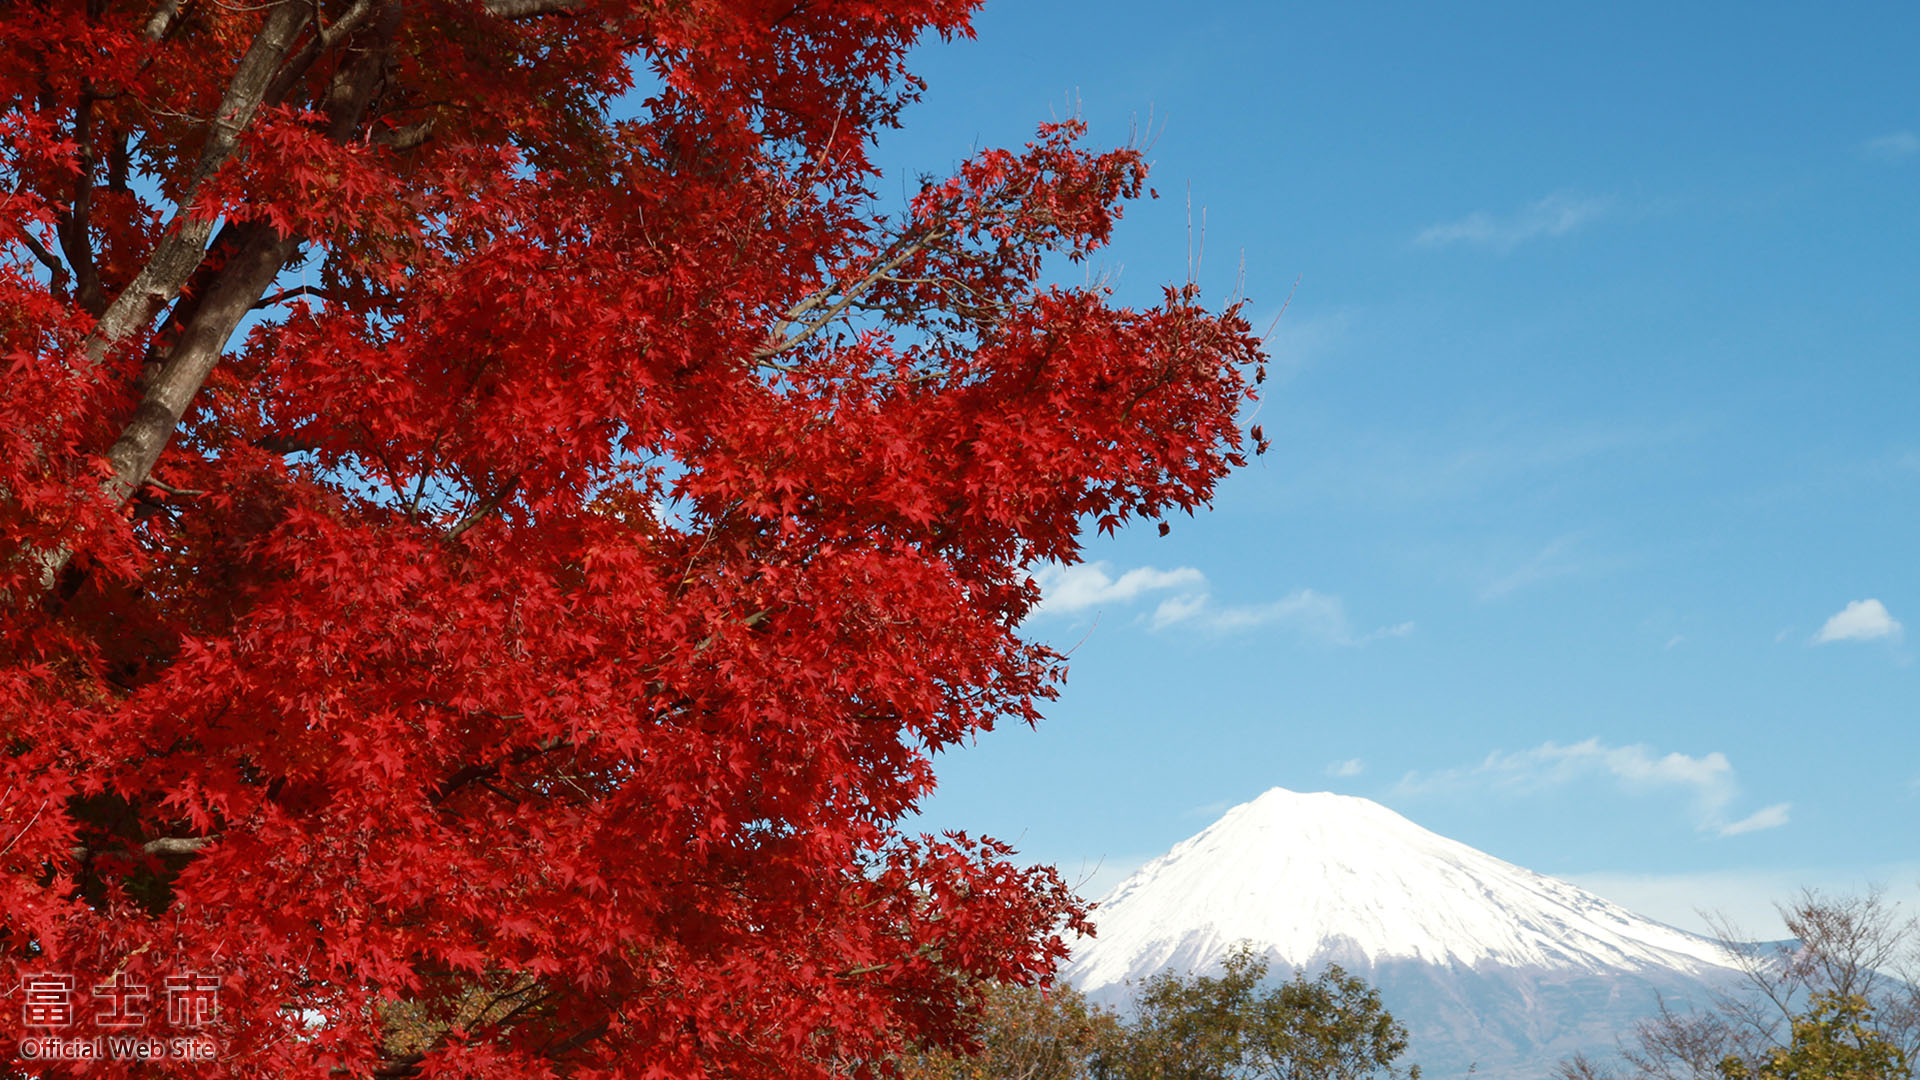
pixel 1490 965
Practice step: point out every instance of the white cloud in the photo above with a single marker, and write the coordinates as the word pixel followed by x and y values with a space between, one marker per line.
pixel 1088 585
pixel 1399 629
pixel 1554 216
pixel 1892 147
pixel 1862 620
pixel 1178 609
pixel 1708 780
pixel 1313 613
pixel 1208 811
pixel 1317 615
pixel 1349 767
pixel 1771 817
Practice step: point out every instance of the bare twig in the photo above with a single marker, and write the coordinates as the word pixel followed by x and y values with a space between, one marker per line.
pixel 289 294
pixel 24 828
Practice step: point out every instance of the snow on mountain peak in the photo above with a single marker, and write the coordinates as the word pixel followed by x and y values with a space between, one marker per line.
pixel 1313 877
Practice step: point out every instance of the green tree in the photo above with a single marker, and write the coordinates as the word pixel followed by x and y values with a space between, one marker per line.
pixel 1228 1027
pixel 1835 1039
pixel 1839 998
pixel 1027 1033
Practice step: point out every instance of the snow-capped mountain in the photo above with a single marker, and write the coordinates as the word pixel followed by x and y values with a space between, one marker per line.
pixel 1490 965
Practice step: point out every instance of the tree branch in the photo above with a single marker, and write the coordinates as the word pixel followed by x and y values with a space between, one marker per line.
pixel 177 845
pixel 782 341
pixel 261 254
pixel 76 224
pixel 47 258
pixel 165 845
pixel 184 245
pixel 193 356
pixel 289 294
pixel 406 138
pixel 487 506
pixel 169 489
pixel 284 444
pixel 523 9
pixel 161 19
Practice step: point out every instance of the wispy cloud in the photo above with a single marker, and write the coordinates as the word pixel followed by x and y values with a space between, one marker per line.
pixel 1771 817
pixel 1708 781
pixel 1349 767
pixel 1091 585
pixel 1298 339
pixel 1316 615
pixel 1179 609
pixel 1892 146
pixel 1552 561
pixel 1862 620
pixel 1311 614
pixel 1554 216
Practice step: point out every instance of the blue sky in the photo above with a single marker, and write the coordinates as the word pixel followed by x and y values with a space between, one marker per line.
pixel 1588 536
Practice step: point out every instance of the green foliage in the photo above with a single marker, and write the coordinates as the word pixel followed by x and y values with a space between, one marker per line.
pixel 1839 1000
pixel 1201 1027
pixel 1226 1027
pixel 1027 1033
pixel 1835 1039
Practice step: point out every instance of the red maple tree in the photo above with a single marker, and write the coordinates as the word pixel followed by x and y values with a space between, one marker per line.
pixel 495 518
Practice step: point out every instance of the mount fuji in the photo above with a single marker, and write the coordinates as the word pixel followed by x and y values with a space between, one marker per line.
pixel 1497 971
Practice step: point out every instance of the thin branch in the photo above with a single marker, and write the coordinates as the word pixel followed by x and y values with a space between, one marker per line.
pixel 289 294
pixel 406 138
pixel 469 774
pixel 749 622
pixel 487 506
pixel 177 845
pixel 165 845
pixel 47 258
pixel 285 444
pixel 76 224
pixel 523 9
pixel 174 491
pixel 784 341
pixel 24 828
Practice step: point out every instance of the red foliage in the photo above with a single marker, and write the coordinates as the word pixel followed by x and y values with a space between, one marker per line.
pixel 488 551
